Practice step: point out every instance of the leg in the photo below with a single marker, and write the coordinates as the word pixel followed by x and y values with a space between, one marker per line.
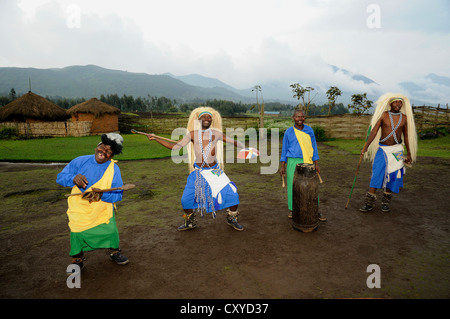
pixel 321 217
pixel 369 200
pixel 290 172
pixel 376 181
pixel 116 256
pixel 188 200
pixel 78 260
pixel 232 218
pixel 385 200
pixel 189 220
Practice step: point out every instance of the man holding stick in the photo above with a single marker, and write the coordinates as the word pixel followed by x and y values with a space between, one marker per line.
pixel 91 214
pixel 299 146
pixel 208 188
pixel 392 120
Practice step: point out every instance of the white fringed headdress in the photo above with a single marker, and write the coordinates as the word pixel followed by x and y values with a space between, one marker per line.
pixel 195 124
pixel 383 104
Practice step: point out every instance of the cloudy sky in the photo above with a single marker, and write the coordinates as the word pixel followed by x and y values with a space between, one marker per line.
pixel 240 42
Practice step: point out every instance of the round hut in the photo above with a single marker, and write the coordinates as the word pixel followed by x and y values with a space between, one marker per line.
pixel 104 117
pixel 31 108
pixel 34 116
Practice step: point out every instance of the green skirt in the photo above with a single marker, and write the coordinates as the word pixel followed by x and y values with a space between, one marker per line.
pixel 290 171
pixel 101 236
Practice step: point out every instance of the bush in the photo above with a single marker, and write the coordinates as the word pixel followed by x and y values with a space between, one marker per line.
pixel 8 133
pixel 319 133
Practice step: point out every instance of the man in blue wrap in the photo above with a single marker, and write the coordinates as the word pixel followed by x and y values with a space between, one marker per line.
pixel 208 188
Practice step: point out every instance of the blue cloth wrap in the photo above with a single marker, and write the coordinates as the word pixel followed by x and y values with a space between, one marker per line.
pixel 379 174
pixel 229 197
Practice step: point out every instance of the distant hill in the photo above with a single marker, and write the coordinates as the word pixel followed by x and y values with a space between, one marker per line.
pixel 92 81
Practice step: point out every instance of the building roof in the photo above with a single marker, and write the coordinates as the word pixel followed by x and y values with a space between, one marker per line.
pixel 33 106
pixel 93 106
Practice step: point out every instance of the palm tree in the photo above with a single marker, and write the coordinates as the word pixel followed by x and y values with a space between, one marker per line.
pixel 257 89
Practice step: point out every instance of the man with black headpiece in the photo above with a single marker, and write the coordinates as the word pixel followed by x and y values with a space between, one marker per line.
pixel 92 220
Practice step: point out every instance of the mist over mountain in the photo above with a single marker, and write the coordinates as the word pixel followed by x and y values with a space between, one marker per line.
pixel 92 81
pixel 279 90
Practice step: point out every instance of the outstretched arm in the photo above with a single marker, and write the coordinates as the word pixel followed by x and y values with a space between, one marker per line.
pixel 229 140
pixel 169 144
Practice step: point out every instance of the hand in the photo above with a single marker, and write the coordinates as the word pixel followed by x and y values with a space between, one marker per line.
pixel 362 153
pixel 80 180
pixel 92 196
pixel 408 159
pixel 317 168
pixel 151 137
pixel 283 169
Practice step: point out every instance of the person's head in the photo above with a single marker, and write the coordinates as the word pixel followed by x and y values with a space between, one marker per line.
pixel 199 118
pixel 206 119
pixel 299 117
pixel 110 145
pixel 204 115
pixel 396 104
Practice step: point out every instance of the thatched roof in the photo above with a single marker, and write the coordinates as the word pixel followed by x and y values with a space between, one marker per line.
pixel 33 106
pixel 93 106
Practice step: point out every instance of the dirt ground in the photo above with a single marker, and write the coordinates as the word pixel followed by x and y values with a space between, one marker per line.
pixel 268 260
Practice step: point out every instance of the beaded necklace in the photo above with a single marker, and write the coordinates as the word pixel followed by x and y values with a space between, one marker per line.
pixel 205 153
pixel 202 196
pixel 393 128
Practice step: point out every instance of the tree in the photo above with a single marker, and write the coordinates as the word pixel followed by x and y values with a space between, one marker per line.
pixel 300 94
pixel 12 94
pixel 360 103
pixel 332 94
pixel 257 89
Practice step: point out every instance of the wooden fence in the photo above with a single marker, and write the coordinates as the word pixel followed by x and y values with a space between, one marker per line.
pixel 428 117
pixel 53 129
pixel 345 126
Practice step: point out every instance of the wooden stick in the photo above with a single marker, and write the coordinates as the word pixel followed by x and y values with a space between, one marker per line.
pixel 147 134
pixel 282 178
pixel 359 164
pixel 320 179
pixel 354 180
pixel 97 190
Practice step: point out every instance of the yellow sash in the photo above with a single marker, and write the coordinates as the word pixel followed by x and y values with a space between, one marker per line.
pixel 305 144
pixel 84 215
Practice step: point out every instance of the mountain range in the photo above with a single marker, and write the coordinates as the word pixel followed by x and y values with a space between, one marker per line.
pixel 92 81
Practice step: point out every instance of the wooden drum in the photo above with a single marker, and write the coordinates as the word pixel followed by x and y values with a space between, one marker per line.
pixel 305 195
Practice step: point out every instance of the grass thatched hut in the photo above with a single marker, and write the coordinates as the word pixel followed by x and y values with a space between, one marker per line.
pixel 104 117
pixel 31 108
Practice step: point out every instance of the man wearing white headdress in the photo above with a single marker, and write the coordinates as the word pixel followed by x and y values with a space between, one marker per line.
pixel 208 189
pixel 393 129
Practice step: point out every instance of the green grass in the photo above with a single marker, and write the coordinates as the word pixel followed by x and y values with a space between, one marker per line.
pixel 64 149
pixel 136 147
pixel 438 147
